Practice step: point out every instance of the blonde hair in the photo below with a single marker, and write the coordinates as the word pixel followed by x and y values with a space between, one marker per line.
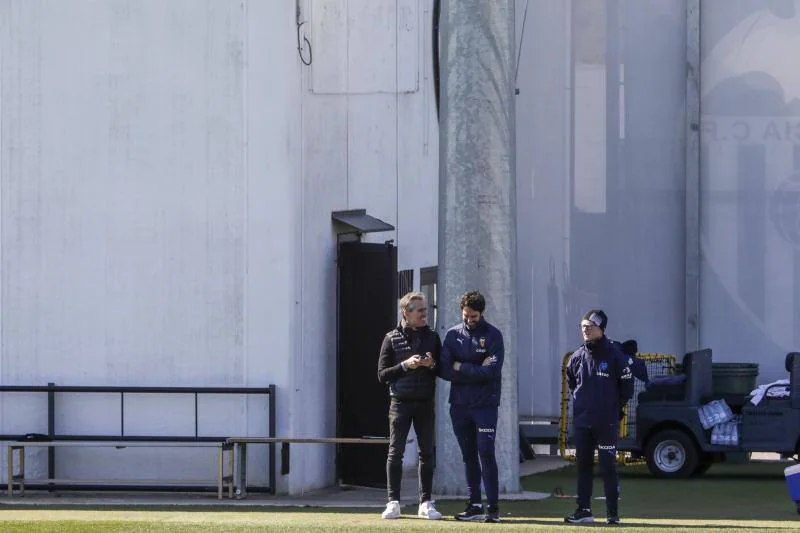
pixel 407 299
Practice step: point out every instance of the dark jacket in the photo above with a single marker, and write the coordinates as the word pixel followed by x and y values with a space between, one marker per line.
pixel 599 376
pixel 473 385
pixel 637 364
pixel 400 344
pixel 639 368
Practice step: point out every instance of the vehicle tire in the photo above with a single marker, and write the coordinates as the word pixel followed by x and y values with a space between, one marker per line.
pixel 672 454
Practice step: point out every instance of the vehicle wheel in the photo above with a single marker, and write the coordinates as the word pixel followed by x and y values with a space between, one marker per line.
pixel 672 454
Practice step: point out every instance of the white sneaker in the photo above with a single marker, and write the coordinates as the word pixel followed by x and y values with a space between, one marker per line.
pixel 427 510
pixel 392 510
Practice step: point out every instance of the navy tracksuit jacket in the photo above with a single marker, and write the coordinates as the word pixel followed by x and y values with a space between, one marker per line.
pixel 600 379
pixel 474 399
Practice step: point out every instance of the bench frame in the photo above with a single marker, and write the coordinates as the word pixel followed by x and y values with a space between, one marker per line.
pixel 16 460
pixel 121 439
pixel 236 447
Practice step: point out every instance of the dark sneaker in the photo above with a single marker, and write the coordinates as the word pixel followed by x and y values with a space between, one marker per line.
pixel 492 514
pixel 613 520
pixel 473 512
pixel 580 516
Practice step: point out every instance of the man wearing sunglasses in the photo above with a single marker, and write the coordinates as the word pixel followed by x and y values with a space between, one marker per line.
pixel 600 380
pixel 409 363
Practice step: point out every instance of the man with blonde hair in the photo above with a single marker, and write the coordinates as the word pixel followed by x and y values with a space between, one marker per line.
pixel 409 363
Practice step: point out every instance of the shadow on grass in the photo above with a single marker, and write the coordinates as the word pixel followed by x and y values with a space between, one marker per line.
pixel 643 524
pixel 750 491
pixel 154 508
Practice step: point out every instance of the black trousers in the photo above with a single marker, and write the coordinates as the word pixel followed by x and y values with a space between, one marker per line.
pixel 604 440
pixel 403 413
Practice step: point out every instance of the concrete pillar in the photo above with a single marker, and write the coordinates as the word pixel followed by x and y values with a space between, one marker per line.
pixel 477 240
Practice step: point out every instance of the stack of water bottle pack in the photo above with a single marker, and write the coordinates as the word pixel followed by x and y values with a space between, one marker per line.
pixel 727 433
pixel 725 425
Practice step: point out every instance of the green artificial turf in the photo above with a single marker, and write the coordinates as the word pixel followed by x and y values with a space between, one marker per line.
pixel 740 498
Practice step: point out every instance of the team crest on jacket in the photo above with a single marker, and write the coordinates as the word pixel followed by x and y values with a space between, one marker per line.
pixel 481 348
pixel 602 369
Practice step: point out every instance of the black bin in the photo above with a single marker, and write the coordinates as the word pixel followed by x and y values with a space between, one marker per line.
pixel 733 378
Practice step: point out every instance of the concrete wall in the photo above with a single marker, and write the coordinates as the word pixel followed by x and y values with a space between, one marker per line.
pixel 369 142
pixel 167 174
pixel 129 193
pixel 750 291
pixel 600 188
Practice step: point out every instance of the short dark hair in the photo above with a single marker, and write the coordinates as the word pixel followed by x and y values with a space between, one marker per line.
pixel 474 300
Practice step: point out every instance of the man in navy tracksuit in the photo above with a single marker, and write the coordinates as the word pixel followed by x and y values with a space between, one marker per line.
pixel 472 358
pixel 600 379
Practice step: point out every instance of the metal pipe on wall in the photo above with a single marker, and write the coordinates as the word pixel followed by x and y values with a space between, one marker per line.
pixel 693 191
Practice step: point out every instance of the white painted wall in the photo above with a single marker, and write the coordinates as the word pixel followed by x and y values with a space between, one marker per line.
pixel 148 181
pixel 370 141
pixel 168 170
pixel 167 174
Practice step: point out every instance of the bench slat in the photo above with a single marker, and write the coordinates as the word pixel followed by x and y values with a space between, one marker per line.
pixel 289 440
pixel 14 478
pixel 200 483
pixel 112 444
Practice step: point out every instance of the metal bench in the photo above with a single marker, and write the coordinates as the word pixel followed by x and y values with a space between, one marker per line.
pixel 237 459
pixel 16 460
pixel 539 430
pixel 54 438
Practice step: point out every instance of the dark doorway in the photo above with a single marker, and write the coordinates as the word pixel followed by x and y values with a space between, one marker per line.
pixel 367 310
